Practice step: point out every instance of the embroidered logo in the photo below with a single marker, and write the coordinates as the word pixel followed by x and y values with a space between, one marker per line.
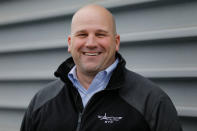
pixel 109 119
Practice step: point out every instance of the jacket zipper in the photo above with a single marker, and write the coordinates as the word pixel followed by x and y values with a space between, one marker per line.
pixel 79 121
pixel 81 113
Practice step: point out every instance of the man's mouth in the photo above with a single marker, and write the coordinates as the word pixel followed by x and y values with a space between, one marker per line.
pixel 92 54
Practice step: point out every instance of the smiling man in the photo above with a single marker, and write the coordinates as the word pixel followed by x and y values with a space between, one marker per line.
pixel 93 42
pixel 94 90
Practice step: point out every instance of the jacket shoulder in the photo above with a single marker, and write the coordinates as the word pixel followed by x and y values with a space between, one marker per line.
pixel 152 102
pixel 47 93
pixel 139 91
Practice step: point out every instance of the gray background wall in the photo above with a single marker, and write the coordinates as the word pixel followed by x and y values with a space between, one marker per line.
pixel 158 39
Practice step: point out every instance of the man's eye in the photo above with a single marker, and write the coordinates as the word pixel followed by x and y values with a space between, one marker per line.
pixel 82 35
pixel 100 35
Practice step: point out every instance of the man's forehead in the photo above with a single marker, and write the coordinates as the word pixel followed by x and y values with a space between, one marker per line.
pixel 91 26
pixel 93 15
pixel 92 19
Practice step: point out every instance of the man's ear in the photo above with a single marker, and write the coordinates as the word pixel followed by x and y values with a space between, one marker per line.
pixel 69 43
pixel 117 40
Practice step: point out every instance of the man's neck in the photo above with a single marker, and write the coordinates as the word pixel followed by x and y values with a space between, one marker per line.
pixel 85 79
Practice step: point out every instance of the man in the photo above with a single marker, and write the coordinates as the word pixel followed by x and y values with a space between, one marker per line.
pixel 94 90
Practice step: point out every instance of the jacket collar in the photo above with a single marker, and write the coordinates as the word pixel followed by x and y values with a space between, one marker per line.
pixel 116 79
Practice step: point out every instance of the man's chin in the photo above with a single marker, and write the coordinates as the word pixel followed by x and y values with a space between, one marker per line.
pixel 91 69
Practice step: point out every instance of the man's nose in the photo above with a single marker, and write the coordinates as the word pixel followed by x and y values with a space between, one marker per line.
pixel 91 41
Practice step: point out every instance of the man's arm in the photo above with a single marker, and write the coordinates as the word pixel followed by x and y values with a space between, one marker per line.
pixel 27 121
pixel 164 116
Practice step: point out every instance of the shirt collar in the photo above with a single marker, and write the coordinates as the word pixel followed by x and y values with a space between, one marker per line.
pixel 108 71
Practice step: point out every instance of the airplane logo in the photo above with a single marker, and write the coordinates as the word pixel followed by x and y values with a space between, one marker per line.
pixel 109 119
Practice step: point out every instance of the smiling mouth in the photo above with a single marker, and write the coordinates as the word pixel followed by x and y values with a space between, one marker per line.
pixel 92 54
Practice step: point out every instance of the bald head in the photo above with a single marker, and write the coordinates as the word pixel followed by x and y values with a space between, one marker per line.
pixel 93 42
pixel 93 14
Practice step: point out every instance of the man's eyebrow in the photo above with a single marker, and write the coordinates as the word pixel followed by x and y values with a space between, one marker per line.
pixel 102 31
pixel 80 31
pixel 84 31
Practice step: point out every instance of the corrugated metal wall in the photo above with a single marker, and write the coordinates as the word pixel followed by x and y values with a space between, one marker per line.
pixel 158 39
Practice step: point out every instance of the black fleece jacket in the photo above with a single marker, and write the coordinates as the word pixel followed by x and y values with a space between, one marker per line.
pixel 130 102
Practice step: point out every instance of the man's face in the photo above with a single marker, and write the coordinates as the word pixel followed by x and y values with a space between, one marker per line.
pixel 93 43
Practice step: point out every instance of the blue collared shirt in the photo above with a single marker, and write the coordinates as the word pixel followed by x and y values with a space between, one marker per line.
pixel 99 82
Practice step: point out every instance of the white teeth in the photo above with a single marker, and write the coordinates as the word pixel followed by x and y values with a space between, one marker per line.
pixel 92 54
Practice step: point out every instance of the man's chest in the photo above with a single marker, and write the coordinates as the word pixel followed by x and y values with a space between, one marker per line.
pixel 102 114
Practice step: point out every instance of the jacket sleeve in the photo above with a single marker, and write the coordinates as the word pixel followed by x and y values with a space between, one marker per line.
pixel 164 116
pixel 26 123
pixel 27 119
